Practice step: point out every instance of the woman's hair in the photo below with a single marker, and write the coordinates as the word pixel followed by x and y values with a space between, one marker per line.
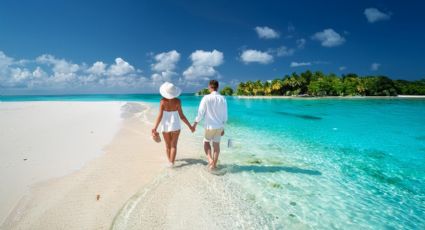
pixel 213 84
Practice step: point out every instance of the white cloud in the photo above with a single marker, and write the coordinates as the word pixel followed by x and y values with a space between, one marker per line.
pixel 59 65
pixel 164 66
pixel 299 64
pixel 329 38
pixel 38 72
pixel 64 72
pixel 5 61
pixel 98 68
pixel 266 32
pixel 301 43
pixel 120 68
pixel 194 72
pixel 375 66
pixel 163 76
pixel 203 64
pixel 19 74
pixel 166 61
pixel 200 57
pixel 248 56
pixel 374 15
pixel 284 51
pixel 55 73
pixel 342 68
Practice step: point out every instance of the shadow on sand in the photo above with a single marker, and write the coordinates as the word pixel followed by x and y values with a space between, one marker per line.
pixel 269 169
pixel 233 168
pixel 189 161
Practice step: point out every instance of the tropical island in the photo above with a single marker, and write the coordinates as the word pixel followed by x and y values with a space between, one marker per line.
pixel 318 84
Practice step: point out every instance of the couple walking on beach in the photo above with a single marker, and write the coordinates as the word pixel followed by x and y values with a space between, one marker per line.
pixel 213 108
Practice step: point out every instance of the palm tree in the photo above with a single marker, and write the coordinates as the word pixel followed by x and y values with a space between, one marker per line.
pixel 240 90
pixel 277 87
pixel 267 88
pixel 294 84
pixel 249 86
pixel 258 88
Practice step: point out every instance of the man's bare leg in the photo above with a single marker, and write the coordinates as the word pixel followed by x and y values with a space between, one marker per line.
pixel 216 146
pixel 207 149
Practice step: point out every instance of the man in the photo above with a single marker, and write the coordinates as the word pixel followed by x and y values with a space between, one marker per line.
pixel 213 108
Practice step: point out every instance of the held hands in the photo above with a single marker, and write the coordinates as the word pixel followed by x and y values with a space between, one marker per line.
pixel 193 127
pixel 154 133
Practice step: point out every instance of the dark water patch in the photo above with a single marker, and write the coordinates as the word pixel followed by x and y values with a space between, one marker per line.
pixel 276 185
pixel 303 116
pixel 270 169
pixel 420 138
pixel 376 154
pixel 379 166
pixel 361 154
pixel 254 161
pixel 381 176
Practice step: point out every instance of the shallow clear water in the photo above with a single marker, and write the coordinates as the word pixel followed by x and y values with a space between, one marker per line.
pixel 325 163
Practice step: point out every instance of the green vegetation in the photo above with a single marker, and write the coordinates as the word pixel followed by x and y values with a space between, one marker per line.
pixel 227 91
pixel 204 91
pixel 410 88
pixel 318 84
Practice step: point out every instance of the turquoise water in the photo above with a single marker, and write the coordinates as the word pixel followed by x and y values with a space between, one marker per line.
pixel 325 163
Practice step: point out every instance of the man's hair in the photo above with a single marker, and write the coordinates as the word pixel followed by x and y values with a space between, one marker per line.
pixel 213 84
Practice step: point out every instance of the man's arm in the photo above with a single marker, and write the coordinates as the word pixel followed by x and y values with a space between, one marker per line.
pixel 201 112
pixel 225 116
pixel 225 112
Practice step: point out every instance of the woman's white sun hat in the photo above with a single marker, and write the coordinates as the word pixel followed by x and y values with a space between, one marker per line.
pixel 169 90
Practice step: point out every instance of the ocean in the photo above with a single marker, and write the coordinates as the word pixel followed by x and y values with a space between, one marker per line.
pixel 319 163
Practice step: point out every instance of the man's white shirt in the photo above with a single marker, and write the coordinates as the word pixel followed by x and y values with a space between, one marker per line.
pixel 214 108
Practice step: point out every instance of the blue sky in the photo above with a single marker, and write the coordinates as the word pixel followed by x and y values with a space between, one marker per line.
pixel 133 46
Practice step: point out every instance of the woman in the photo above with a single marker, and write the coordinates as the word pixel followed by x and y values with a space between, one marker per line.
pixel 168 119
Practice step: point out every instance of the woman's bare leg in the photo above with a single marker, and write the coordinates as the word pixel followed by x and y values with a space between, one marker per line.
pixel 174 140
pixel 167 140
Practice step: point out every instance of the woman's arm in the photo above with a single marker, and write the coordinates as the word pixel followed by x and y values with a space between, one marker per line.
pixel 183 117
pixel 159 117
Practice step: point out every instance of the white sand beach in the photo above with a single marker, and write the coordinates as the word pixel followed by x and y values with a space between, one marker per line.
pixel 71 164
pixel 87 168
pixel 43 140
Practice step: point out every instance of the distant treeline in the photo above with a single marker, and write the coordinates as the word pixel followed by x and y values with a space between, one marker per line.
pixel 319 84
